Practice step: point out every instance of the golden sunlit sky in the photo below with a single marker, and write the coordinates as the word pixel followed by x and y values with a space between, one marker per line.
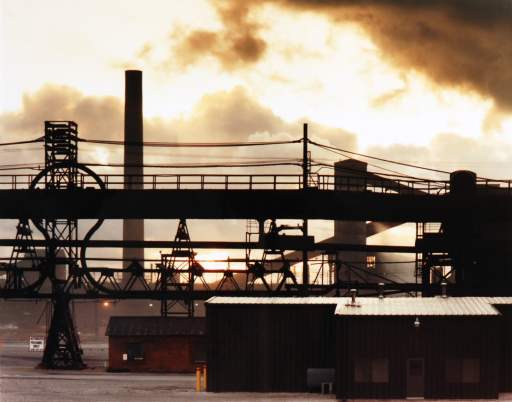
pixel 419 82
pixel 328 72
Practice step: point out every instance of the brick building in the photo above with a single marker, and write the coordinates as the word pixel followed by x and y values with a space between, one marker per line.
pixel 156 344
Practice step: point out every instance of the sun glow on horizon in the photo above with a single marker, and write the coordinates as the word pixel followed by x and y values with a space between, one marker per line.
pixel 213 259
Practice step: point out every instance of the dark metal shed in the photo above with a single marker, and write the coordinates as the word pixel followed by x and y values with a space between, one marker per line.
pixel 267 344
pixel 504 306
pixel 417 347
pixel 164 344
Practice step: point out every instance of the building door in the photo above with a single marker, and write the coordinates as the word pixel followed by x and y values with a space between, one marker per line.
pixel 415 378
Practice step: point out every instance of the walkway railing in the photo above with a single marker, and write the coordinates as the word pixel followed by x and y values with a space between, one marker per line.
pixel 260 182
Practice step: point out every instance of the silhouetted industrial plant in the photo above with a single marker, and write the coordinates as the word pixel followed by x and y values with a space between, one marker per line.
pixel 462 247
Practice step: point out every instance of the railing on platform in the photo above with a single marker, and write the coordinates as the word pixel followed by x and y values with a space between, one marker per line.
pixel 264 182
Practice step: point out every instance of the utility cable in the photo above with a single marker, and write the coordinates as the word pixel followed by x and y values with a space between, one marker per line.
pixel 386 177
pixel 369 164
pixel 377 158
pixel 21 166
pixel 368 174
pixel 4 144
pixel 189 144
pixel 197 166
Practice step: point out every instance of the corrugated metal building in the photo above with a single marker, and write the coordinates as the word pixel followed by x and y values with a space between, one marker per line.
pixel 504 306
pixel 381 348
pixel 158 344
pixel 267 344
pixel 418 347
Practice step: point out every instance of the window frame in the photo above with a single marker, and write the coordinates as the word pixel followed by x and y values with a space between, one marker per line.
pixel 135 351
pixel 465 370
pixel 366 370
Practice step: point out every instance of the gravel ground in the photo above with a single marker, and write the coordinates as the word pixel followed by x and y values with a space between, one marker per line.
pixel 21 382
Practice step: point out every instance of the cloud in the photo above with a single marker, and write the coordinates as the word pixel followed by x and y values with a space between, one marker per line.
pixel 98 117
pixel 236 45
pixel 457 43
pixel 488 157
pixel 387 97
pixel 232 116
pixel 462 44
pixel 229 115
pixel 494 120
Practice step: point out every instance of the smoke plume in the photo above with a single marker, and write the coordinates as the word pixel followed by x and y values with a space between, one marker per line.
pixel 238 44
pixel 457 43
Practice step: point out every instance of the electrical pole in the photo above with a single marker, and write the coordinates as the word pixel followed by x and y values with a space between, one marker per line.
pixel 305 177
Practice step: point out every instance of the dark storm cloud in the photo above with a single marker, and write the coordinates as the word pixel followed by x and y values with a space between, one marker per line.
pixel 456 43
pixel 238 44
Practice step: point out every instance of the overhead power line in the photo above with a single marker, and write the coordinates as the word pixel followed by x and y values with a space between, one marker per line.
pixel 377 158
pixel 5 144
pixel 393 172
pixel 190 144
pixel 165 144
pixel 389 176
pixel 198 165
pixel 21 166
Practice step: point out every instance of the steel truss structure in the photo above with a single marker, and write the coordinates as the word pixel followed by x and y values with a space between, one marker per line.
pixel 453 243
pixel 62 350
pixel 178 272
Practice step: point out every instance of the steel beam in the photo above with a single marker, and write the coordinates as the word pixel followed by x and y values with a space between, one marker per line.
pixel 246 204
pixel 220 204
pixel 205 294
pixel 233 245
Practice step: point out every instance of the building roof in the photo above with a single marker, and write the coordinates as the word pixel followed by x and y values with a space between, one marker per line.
pixel 500 300
pixel 398 306
pixel 412 306
pixel 155 326
pixel 273 300
pixel 494 300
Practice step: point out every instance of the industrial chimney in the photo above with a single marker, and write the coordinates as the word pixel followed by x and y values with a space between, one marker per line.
pixel 133 229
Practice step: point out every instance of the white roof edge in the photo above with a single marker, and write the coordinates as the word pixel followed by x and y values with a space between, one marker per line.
pixel 390 306
pixel 211 299
pixel 273 300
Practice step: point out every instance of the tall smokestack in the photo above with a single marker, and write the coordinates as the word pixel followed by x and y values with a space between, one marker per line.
pixel 133 229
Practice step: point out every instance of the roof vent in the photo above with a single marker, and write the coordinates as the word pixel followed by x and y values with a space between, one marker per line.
pixel 381 290
pixel 444 295
pixel 353 303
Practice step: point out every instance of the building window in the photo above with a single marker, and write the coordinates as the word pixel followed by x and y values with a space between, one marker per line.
pixel 135 351
pixel 380 371
pixel 362 371
pixel 371 261
pixel 465 371
pixel 470 371
pixel 368 370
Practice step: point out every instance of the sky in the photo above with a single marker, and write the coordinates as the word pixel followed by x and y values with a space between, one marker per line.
pixel 423 82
